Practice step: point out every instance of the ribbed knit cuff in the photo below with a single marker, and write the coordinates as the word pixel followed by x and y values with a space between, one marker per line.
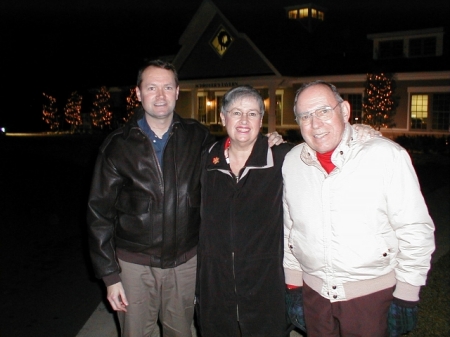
pixel 293 277
pixel 406 292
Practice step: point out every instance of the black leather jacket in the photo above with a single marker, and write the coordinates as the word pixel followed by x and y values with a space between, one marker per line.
pixel 136 207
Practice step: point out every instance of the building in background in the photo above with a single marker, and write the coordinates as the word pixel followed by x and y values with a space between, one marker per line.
pixel 276 48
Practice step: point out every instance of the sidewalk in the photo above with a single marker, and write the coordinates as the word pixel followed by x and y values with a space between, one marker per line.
pixel 102 323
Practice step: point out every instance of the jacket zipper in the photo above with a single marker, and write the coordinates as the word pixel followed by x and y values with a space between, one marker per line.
pixel 235 290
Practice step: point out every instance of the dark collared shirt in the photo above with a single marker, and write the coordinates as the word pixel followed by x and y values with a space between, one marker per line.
pixel 158 143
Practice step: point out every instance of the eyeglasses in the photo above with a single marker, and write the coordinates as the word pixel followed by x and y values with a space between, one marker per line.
pixel 323 114
pixel 237 114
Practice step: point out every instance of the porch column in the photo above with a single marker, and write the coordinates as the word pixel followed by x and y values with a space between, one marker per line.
pixel 194 104
pixel 271 117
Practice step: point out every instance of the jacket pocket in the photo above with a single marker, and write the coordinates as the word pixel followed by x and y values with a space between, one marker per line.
pixel 132 204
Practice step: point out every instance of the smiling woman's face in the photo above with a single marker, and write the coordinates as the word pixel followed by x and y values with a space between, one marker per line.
pixel 243 129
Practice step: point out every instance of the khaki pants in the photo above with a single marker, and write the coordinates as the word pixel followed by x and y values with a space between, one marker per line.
pixel 155 292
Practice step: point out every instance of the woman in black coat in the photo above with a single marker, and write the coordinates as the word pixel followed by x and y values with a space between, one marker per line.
pixel 240 282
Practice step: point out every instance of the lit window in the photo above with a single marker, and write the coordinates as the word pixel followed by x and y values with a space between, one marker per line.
pixel 419 111
pixel 293 14
pixel 320 15
pixel 303 13
pixel 314 13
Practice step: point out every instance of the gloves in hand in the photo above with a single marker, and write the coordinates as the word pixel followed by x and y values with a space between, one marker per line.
pixel 402 317
pixel 294 307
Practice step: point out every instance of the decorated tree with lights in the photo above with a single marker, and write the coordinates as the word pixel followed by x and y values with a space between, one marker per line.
pixel 379 101
pixel 72 110
pixel 49 111
pixel 101 113
pixel 132 104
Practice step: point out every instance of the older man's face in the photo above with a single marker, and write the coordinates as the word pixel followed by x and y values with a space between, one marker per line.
pixel 322 135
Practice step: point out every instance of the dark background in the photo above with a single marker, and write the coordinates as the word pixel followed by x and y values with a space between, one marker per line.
pixel 57 47
pixel 48 287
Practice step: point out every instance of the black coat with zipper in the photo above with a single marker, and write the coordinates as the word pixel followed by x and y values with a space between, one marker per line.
pixel 240 254
pixel 137 207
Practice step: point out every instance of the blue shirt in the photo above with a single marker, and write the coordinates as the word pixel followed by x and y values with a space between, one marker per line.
pixel 158 143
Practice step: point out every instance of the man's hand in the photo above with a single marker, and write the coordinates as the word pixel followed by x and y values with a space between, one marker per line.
pixel 402 317
pixel 294 306
pixel 365 132
pixel 116 297
pixel 275 139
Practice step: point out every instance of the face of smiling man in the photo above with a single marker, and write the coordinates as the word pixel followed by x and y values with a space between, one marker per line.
pixel 158 93
pixel 322 136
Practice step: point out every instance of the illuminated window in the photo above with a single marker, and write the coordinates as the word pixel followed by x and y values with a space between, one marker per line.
pixel 308 15
pixel 278 108
pixel 293 14
pixel 303 13
pixel 320 15
pixel 419 111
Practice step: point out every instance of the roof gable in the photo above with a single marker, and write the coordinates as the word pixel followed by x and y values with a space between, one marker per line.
pixel 211 47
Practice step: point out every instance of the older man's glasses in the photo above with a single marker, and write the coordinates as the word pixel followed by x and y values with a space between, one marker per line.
pixel 237 114
pixel 323 114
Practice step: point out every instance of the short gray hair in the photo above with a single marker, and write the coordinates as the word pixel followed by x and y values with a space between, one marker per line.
pixel 239 92
pixel 305 86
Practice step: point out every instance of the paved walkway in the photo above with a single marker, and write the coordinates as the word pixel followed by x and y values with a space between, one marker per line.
pixel 102 322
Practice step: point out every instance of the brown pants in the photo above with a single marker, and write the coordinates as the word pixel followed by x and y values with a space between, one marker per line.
pixel 364 316
pixel 152 293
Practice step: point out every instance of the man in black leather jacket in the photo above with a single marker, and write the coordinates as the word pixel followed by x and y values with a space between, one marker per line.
pixel 143 211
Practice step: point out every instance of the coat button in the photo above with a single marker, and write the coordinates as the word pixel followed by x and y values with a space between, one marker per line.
pixel 385 254
pixel 341 152
pixel 334 296
pixel 334 287
pixel 291 246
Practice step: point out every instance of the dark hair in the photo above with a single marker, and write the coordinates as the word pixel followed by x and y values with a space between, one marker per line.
pixel 158 64
pixel 239 92
pixel 311 84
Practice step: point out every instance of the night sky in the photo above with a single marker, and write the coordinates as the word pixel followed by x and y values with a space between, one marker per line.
pixel 59 46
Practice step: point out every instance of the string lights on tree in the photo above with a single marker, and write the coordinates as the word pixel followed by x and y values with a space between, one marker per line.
pixel 49 111
pixel 72 110
pixel 379 101
pixel 132 104
pixel 101 114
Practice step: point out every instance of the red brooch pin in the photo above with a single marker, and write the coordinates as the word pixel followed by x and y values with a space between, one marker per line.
pixel 216 160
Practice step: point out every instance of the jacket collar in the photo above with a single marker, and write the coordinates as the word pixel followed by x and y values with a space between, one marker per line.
pixel 309 156
pixel 133 122
pixel 261 156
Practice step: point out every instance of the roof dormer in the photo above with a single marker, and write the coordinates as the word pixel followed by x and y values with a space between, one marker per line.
pixel 310 15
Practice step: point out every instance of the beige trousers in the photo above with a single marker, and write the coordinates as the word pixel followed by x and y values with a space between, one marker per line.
pixel 152 293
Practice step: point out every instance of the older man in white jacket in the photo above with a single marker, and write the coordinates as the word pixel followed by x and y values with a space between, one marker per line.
pixel 358 236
